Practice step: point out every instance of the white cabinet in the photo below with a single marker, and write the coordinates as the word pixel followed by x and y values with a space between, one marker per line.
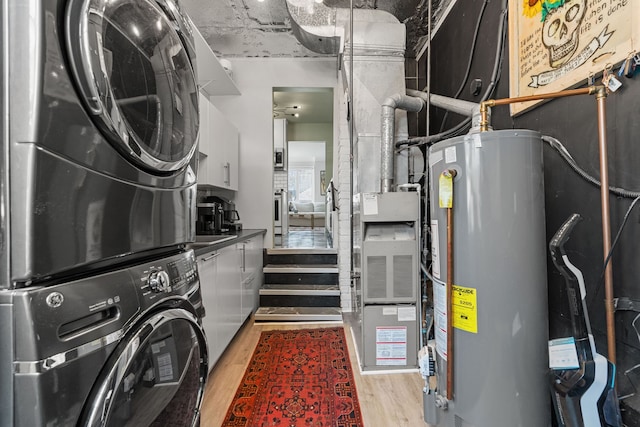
pixel 224 136
pixel 212 77
pixel 230 280
pixel 251 274
pixel 228 285
pixel 220 287
pixel 204 139
pixel 207 270
pixel 218 145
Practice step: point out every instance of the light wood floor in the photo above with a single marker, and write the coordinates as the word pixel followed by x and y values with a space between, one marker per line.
pixel 386 400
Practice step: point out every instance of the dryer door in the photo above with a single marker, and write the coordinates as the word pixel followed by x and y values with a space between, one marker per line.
pixel 155 377
pixel 136 79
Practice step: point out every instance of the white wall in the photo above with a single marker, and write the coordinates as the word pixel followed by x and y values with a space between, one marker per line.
pixel 251 113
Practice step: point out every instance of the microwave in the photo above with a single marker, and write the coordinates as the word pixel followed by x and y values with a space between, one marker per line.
pixel 278 158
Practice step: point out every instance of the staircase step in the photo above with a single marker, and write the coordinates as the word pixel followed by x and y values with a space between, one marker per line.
pixel 301 256
pixel 300 289
pixel 298 314
pixel 300 268
pixel 299 300
pixel 298 251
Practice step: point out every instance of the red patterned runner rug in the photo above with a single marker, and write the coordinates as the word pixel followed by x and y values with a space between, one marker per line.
pixel 297 378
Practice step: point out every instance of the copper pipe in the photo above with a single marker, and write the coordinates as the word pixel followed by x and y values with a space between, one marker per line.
pixel 449 304
pixel 484 121
pixel 449 291
pixel 601 94
pixel 606 223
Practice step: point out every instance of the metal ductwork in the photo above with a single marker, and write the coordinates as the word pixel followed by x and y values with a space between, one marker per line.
pixel 314 25
pixel 414 102
pixel 408 103
pixel 402 10
pixel 458 106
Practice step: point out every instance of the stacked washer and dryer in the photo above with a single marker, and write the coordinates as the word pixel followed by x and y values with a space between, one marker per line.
pixel 99 299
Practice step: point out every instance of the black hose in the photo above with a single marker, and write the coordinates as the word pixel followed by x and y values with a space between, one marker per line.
pixel 557 145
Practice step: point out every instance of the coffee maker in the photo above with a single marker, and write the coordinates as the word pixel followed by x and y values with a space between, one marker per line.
pixel 210 218
pixel 231 218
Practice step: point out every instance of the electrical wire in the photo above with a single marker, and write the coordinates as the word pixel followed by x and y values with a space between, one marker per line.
pixel 620 192
pixel 564 153
pixel 463 126
pixel 463 83
pixel 613 246
pixel 615 241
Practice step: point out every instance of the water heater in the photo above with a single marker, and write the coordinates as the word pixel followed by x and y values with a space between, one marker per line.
pixel 499 292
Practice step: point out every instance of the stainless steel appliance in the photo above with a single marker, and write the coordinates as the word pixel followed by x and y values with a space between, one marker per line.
pixel 210 219
pixel 231 221
pixel 280 216
pixel 123 348
pixel 100 125
pixel 278 158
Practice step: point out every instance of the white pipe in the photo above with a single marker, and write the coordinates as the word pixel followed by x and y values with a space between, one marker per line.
pixel 459 106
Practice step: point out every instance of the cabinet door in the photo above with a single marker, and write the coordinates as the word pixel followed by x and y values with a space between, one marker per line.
pixel 252 273
pixel 204 142
pixel 232 157
pixel 257 260
pixel 207 268
pixel 229 294
pixel 224 156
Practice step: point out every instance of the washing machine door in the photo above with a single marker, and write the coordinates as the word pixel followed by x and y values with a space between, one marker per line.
pixel 134 74
pixel 155 377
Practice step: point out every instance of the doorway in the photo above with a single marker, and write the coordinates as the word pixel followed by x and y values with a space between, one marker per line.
pixel 303 164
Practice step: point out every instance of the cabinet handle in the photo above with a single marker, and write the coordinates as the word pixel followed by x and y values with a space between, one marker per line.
pixel 244 251
pixel 215 255
pixel 227 173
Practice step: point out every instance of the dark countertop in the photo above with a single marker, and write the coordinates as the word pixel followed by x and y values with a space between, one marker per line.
pixel 201 248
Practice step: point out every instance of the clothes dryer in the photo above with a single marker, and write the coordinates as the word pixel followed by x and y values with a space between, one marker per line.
pixel 123 348
pixel 100 127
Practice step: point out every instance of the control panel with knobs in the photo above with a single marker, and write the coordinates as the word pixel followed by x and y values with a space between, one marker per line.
pixel 159 281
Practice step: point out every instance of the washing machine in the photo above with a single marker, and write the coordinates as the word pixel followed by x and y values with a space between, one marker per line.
pixel 99 130
pixel 123 348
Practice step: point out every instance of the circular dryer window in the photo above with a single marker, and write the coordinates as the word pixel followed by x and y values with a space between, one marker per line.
pixel 136 79
pixel 155 377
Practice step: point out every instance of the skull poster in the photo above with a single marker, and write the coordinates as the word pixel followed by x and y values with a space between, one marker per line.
pixel 559 44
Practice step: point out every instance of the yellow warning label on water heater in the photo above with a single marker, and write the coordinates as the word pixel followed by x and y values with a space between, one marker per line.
pixel 464 309
pixel 445 190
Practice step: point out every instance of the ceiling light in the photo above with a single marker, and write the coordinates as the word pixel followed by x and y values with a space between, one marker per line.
pixel 318 1
pixel 261 1
pixel 284 111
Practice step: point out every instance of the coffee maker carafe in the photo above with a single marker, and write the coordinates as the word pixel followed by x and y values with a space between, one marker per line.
pixel 231 215
pixel 210 218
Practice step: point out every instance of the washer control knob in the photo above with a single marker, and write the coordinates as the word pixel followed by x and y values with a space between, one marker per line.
pixel 158 281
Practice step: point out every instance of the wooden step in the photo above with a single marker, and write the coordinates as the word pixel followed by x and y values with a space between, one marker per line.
pixel 298 314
